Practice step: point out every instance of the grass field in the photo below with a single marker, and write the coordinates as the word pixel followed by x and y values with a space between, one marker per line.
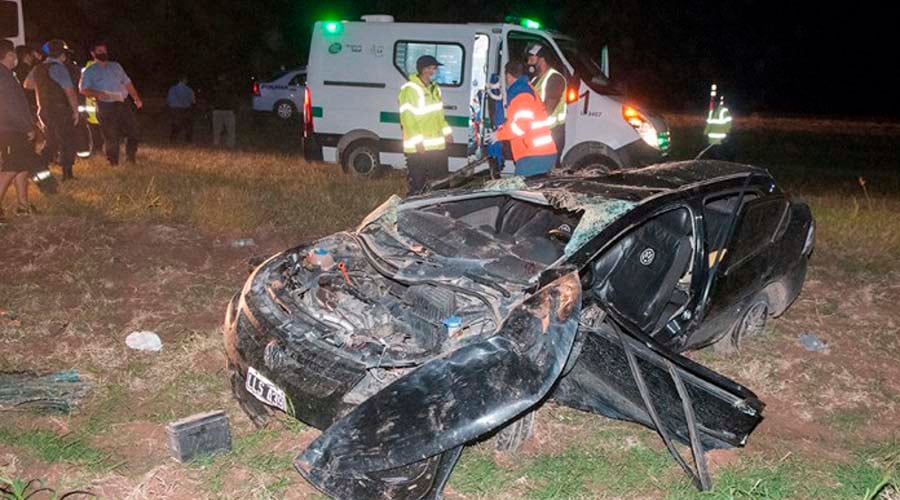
pixel 151 248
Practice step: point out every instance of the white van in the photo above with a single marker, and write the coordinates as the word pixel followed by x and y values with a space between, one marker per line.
pixel 356 69
pixel 12 26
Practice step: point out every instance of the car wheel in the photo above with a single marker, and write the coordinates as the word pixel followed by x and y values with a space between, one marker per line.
pixel 511 437
pixel 750 324
pixel 285 110
pixel 361 158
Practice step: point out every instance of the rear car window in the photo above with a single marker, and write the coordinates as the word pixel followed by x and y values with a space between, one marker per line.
pixel 451 55
pixel 298 79
pixel 757 227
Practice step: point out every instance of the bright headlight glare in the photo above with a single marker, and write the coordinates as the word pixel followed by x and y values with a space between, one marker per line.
pixel 641 125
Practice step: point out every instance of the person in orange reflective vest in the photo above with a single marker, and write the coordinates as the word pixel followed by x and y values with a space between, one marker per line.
pixel 527 126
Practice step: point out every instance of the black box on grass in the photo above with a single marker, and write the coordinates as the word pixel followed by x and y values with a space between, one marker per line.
pixel 200 434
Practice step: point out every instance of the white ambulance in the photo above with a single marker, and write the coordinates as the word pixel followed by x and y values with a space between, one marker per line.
pixel 12 26
pixel 356 69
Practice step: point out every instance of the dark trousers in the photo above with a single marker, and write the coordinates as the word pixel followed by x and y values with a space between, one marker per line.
pixel 96 137
pixel 118 120
pixel 422 168
pixel 182 121
pixel 559 138
pixel 59 132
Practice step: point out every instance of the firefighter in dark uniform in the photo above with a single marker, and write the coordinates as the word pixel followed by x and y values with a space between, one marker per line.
pixel 57 106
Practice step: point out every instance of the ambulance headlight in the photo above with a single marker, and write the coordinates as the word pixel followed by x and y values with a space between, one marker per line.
pixel 641 125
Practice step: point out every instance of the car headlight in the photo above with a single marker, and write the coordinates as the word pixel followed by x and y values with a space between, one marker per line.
pixel 641 125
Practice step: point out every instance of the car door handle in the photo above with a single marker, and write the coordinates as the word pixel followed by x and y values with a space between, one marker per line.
pixel 450 107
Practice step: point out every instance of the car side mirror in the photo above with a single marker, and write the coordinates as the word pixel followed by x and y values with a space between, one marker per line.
pixel 604 60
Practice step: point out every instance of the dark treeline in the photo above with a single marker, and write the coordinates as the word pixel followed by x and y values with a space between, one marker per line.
pixel 769 57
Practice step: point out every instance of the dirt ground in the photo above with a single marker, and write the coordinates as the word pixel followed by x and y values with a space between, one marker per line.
pixel 76 282
pixel 79 287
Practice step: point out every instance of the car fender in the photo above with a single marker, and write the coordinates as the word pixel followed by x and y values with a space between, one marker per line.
pixel 453 400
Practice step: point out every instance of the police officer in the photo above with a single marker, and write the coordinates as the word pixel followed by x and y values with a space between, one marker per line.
pixel 107 82
pixel 57 106
pixel 550 85
pixel 426 132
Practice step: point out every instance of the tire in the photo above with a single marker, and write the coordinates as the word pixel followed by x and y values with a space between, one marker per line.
pixel 285 110
pixel 511 437
pixel 257 412
pixel 596 162
pixel 361 158
pixel 750 324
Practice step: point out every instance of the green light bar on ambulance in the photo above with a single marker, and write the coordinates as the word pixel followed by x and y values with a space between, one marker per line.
pixel 530 23
pixel 333 27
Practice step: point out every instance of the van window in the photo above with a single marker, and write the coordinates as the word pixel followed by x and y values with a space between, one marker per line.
pixel 518 41
pixel 9 19
pixel 451 55
pixel 586 67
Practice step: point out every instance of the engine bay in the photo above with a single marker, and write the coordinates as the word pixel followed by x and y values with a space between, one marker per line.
pixel 440 276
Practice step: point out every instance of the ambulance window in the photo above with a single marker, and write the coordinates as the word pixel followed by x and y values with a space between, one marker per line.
pixel 518 42
pixel 451 55
pixel 9 19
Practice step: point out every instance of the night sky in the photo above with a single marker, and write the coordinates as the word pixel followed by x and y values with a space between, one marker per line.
pixel 768 57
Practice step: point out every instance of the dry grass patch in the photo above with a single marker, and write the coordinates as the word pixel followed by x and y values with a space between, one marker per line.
pixel 222 191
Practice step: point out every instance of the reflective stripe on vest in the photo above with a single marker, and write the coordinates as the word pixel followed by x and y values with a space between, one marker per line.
pixel 718 126
pixel 422 121
pixel 558 116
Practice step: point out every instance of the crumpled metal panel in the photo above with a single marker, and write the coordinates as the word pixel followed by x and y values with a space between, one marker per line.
pixel 449 401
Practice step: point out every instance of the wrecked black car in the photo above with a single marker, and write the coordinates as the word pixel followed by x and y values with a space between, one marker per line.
pixel 450 317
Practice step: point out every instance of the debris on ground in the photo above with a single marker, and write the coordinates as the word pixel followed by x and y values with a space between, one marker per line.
pixel 812 343
pixel 199 435
pixel 144 341
pixel 58 392
pixel 244 242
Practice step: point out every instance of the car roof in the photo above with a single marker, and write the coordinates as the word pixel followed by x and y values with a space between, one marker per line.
pixel 287 73
pixel 640 184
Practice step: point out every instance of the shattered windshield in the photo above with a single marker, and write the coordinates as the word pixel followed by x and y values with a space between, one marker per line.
pixel 589 214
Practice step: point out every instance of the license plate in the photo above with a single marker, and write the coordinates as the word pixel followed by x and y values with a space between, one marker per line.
pixel 264 390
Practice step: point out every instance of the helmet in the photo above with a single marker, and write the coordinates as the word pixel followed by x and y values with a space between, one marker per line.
pixel 55 47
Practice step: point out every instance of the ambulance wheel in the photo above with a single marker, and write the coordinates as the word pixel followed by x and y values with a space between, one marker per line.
pixel 361 158
pixel 285 110
pixel 595 162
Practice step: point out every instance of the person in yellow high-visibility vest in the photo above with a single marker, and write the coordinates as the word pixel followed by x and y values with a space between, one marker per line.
pixel 425 130
pixel 90 107
pixel 718 128
pixel 550 85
